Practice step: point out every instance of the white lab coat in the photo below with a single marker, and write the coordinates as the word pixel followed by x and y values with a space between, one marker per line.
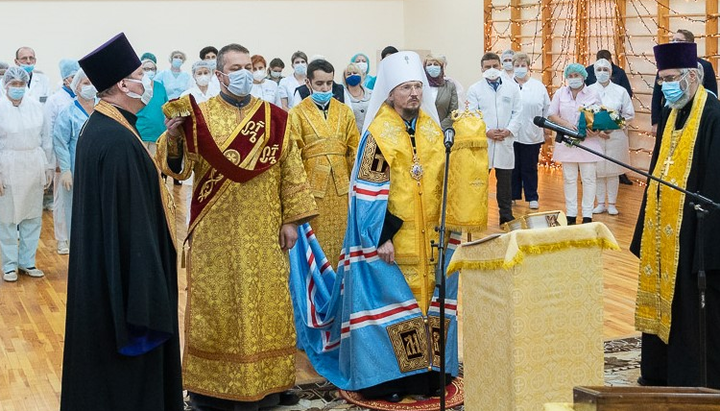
pixel 616 98
pixel 39 88
pixel 267 90
pixel 198 94
pixel 535 102
pixel 501 109
pixel 25 150
pixel 286 89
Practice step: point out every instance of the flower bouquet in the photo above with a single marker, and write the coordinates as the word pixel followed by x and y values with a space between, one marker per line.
pixel 599 118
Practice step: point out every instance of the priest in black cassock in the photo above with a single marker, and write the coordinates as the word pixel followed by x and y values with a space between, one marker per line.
pixel 687 154
pixel 122 349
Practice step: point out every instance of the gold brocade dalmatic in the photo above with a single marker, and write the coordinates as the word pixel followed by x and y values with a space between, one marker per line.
pixel 328 149
pixel 417 203
pixel 239 333
pixel 660 246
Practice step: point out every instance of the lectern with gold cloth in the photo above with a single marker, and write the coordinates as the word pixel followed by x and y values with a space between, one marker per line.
pixel 533 313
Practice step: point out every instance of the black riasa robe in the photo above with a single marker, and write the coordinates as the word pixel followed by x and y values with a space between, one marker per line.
pixel 678 363
pixel 121 341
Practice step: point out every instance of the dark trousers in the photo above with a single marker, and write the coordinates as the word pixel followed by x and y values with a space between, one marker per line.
pixel 503 189
pixel 525 174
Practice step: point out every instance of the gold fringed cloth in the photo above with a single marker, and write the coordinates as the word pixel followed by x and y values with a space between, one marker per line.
pixel 534 329
pixel 468 175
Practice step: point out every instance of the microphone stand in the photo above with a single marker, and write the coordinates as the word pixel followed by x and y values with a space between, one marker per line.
pixel 702 206
pixel 440 272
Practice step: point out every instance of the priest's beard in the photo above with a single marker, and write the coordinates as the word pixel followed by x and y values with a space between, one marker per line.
pixel 410 112
pixel 682 101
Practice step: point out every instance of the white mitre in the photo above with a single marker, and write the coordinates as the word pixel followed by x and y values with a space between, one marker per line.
pixel 394 70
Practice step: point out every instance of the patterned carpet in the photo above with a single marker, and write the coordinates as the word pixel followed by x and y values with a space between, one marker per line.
pixel 622 368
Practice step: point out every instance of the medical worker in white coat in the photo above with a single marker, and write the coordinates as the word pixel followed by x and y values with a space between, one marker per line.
pixel 615 143
pixel 25 172
pixel 499 102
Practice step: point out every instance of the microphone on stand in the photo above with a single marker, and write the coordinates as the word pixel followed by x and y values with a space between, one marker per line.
pixel 542 122
pixel 449 137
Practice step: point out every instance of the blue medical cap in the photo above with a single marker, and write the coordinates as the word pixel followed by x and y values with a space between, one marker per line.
pixel 68 68
pixel 575 68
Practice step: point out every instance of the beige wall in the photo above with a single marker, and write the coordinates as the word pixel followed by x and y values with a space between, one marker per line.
pixel 453 28
pixel 275 28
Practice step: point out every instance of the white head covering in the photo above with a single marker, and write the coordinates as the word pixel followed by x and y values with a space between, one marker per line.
pixel 394 70
pixel 79 76
pixel 602 63
pixel 15 73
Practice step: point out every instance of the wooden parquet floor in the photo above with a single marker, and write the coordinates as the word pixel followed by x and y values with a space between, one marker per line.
pixel 32 311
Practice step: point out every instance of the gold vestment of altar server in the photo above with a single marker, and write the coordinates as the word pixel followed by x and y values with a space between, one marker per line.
pixel 416 202
pixel 239 332
pixel 328 147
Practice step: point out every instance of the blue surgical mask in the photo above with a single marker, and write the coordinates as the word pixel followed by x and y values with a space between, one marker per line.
pixel 433 71
pixel 353 80
pixel 16 93
pixel 213 64
pixel 672 91
pixel 28 67
pixel 321 97
pixel 241 82
pixel 301 69
pixel 151 74
pixel 521 72
pixel 176 63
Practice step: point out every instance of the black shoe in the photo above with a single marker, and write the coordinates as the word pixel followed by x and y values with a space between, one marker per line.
pixel 176 182
pixel 625 180
pixel 587 220
pixel 504 220
pixel 289 398
pixel 571 220
pixel 394 398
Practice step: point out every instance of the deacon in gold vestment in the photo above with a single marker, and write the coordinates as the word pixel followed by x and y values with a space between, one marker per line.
pixel 686 154
pixel 326 133
pixel 250 191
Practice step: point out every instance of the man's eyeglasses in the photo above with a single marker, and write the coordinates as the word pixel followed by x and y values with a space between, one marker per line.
pixel 669 79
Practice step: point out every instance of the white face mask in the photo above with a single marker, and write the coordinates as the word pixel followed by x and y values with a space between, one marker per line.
pixel 148 90
pixel 521 72
pixel 507 65
pixel 575 82
pixel 203 80
pixel 491 74
pixel 363 66
pixel 276 74
pixel 258 75
pixel 88 92
pixel 602 76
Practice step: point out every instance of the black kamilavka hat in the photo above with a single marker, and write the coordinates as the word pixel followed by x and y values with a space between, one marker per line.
pixel 110 63
pixel 676 56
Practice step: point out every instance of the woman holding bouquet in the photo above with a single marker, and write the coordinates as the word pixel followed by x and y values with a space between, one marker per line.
pixel 565 111
pixel 614 143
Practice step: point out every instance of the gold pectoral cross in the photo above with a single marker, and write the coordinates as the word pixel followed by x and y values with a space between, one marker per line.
pixel 667 163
